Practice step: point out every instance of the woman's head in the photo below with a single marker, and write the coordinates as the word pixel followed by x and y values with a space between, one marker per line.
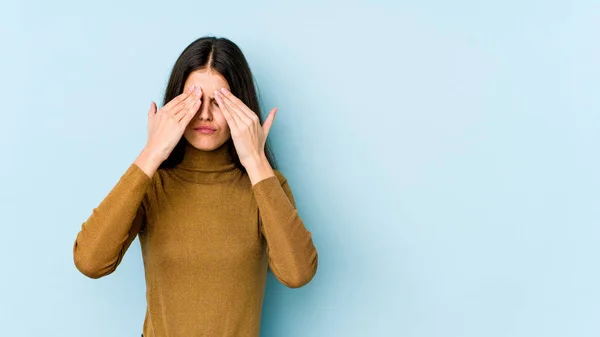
pixel 209 113
pixel 212 63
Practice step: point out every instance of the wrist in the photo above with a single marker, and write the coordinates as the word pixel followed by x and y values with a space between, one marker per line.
pixel 256 160
pixel 152 155
pixel 258 168
pixel 148 161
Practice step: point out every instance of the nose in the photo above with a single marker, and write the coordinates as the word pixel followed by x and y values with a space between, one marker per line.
pixel 204 113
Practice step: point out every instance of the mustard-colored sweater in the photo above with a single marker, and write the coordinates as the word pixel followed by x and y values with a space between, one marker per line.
pixel 207 237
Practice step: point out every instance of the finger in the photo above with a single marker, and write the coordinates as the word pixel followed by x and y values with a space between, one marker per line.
pixel 187 117
pixel 180 98
pixel 237 111
pixel 152 111
pixel 230 120
pixel 238 104
pixel 234 113
pixel 189 110
pixel 180 104
pixel 184 106
pixel 269 121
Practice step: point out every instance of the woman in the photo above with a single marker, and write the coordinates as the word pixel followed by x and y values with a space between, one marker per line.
pixel 209 208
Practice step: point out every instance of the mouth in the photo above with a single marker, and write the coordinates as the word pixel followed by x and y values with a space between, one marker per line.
pixel 205 130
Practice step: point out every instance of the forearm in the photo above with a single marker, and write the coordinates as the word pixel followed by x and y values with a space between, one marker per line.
pixel 107 233
pixel 290 249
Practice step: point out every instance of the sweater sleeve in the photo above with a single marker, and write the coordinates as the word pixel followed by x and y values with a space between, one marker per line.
pixel 111 228
pixel 291 253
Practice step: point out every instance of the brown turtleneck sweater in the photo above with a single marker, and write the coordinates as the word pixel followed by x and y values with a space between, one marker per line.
pixel 207 237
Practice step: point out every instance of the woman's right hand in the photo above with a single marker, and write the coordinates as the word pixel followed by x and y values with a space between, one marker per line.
pixel 166 126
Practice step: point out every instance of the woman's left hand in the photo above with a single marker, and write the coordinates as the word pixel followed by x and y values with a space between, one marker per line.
pixel 249 137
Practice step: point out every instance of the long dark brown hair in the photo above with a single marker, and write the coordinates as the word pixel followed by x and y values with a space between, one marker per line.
pixel 227 59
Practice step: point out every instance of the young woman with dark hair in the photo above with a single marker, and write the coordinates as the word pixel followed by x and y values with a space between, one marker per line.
pixel 211 210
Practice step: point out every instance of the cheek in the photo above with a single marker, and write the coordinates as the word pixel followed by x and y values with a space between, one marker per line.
pixel 226 129
pixel 220 120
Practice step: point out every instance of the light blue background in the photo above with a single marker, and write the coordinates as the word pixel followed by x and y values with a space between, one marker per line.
pixel 444 155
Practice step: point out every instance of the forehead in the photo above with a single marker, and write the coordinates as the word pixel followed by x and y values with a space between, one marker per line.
pixel 208 80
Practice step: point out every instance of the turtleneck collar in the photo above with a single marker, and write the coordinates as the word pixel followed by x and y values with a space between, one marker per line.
pixel 207 166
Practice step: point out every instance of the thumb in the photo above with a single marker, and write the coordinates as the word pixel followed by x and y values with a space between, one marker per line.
pixel 269 121
pixel 152 110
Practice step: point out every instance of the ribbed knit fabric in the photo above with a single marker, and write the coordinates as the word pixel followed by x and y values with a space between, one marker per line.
pixel 207 238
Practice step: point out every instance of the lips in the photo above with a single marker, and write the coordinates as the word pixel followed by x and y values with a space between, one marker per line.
pixel 208 128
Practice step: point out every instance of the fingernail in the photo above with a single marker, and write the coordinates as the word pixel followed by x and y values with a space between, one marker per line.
pixel 225 91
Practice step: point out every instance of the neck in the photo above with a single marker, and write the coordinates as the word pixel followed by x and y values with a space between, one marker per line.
pixel 207 166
